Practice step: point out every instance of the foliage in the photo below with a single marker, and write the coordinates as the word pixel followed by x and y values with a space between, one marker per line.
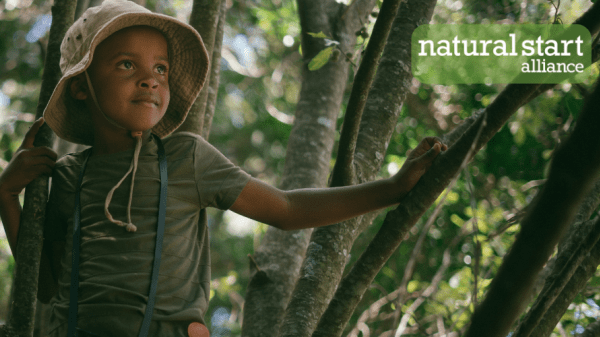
pixel 260 84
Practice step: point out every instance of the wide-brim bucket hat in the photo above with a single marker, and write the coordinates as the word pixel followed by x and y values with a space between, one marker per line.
pixel 188 61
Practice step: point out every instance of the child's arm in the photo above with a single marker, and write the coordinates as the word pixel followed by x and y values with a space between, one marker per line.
pixel 27 163
pixel 316 207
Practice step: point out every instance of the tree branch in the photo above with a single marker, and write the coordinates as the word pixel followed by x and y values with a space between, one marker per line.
pixel 577 234
pixel 433 287
pixel 573 170
pixel 29 250
pixel 384 103
pixel 343 173
pixel 307 165
pixel 204 18
pixel 215 70
pixel 557 282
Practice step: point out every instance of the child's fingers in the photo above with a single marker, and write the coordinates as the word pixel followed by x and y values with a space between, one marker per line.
pixel 40 161
pixel 30 135
pixel 42 151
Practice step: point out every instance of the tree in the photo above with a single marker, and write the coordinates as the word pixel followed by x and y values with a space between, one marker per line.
pixel 502 138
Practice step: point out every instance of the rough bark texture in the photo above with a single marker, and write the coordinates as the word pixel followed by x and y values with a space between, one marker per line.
pixel 307 161
pixel 22 311
pixel 577 282
pixel 585 270
pixel 204 18
pixel 215 70
pixel 343 172
pixel 568 248
pixel 574 169
pixel 557 281
pixel 329 247
pixel 381 114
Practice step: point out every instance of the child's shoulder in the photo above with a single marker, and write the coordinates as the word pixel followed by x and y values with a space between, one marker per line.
pixel 183 136
pixel 185 141
pixel 72 159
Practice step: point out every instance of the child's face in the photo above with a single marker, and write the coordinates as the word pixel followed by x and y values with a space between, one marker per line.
pixel 130 76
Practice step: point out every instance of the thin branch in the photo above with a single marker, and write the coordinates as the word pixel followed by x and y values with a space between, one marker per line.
pixel 433 287
pixel 477 247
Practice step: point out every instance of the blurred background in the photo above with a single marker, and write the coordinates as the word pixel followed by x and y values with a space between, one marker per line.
pixel 259 87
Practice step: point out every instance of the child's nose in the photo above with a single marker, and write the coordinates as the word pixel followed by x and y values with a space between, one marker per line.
pixel 148 80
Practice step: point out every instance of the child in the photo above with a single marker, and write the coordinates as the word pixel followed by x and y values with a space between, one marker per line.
pixel 130 77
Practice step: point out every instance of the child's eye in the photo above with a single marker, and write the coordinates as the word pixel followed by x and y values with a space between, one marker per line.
pixel 126 65
pixel 161 69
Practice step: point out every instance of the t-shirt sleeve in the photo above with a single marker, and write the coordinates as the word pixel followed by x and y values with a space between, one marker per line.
pixel 218 180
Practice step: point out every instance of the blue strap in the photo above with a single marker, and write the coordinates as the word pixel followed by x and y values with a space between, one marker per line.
pixel 160 231
pixel 162 208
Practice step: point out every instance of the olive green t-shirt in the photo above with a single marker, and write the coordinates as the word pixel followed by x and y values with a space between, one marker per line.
pixel 115 265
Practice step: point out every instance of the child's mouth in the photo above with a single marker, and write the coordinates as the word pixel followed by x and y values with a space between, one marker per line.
pixel 149 104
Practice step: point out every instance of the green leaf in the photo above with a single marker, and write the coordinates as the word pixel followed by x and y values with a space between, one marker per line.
pixel 319 35
pixel 321 59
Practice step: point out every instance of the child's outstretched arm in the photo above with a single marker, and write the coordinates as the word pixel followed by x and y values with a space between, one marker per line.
pixel 27 163
pixel 316 207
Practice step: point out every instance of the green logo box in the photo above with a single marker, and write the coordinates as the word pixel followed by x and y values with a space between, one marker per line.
pixel 467 54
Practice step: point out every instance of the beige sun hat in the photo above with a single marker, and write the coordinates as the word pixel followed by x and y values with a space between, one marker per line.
pixel 187 57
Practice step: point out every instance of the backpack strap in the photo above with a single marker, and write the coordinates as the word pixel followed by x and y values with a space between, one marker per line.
pixel 160 231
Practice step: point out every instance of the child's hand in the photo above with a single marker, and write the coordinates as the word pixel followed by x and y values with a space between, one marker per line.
pixel 417 163
pixel 27 163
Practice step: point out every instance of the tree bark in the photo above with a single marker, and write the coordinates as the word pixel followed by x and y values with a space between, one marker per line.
pixel 384 103
pixel 557 281
pixel 215 71
pixel 204 18
pixel 568 248
pixel 343 173
pixel 22 311
pixel 574 169
pixel 577 282
pixel 328 250
pixel 307 161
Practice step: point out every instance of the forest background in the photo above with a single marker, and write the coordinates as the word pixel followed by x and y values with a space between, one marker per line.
pixel 431 284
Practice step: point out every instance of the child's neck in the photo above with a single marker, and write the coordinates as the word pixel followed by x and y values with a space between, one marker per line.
pixel 118 142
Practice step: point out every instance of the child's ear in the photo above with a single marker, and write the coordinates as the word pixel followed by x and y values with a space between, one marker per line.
pixel 78 87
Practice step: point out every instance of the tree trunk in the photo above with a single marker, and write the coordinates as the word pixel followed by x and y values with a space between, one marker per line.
pixel 382 110
pixel 29 249
pixel 205 19
pixel 215 70
pixel 574 169
pixel 578 232
pixel 307 161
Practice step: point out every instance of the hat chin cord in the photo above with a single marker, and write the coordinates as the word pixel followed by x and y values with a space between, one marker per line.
pixel 129 226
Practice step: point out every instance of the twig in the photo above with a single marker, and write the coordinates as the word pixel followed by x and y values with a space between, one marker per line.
pixel 254 264
pixel 433 287
pixel 477 248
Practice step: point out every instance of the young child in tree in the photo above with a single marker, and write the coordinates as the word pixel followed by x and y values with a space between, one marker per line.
pixel 135 197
